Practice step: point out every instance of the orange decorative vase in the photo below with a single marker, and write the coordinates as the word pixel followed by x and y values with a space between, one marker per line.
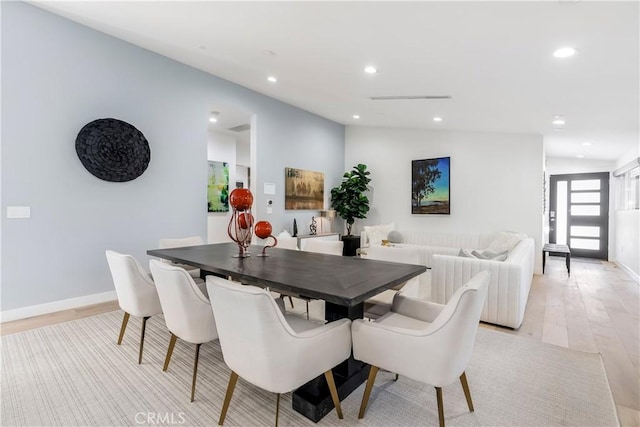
pixel 263 230
pixel 240 228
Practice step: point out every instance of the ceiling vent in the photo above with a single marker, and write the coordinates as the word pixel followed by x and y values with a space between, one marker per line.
pixel 404 97
pixel 241 128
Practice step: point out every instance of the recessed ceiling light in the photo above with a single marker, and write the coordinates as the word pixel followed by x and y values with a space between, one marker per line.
pixel 559 121
pixel 586 144
pixel 213 118
pixel 437 119
pixel 370 69
pixel 565 52
pixel 580 156
pixel 355 116
pixel 272 79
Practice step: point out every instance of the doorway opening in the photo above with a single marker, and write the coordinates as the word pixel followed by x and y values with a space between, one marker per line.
pixel 579 213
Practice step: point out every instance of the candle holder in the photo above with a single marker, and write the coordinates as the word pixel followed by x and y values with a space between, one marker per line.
pixel 240 228
pixel 263 230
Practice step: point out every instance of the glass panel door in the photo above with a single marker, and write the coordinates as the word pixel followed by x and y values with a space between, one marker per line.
pixel 579 213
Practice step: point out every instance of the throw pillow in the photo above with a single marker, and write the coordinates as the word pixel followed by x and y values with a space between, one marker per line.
pixel 487 254
pixel 465 253
pixel 377 233
pixel 505 241
pixel 394 236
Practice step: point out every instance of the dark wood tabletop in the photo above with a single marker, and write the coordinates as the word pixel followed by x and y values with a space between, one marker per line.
pixel 345 281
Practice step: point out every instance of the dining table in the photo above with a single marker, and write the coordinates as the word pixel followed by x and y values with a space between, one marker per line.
pixel 343 282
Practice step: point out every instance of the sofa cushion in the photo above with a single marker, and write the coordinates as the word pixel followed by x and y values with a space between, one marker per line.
pixel 377 233
pixel 394 236
pixel 504 241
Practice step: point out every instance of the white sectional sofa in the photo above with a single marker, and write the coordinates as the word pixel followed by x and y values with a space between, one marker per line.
pixel 510 279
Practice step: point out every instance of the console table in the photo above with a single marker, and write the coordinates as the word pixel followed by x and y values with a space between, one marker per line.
pixel 559 250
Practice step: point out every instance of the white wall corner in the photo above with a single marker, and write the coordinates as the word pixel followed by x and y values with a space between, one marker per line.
pixel 51 307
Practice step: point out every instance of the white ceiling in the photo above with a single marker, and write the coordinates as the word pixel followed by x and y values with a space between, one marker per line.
pixel 493 58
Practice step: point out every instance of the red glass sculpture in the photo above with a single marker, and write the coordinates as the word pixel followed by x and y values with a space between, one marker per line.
pixel 263 230
pixel 240 228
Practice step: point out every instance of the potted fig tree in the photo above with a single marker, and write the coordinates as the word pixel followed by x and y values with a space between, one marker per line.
pixel 349 201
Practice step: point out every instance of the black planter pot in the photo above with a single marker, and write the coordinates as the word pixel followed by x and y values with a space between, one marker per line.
pixel 351 245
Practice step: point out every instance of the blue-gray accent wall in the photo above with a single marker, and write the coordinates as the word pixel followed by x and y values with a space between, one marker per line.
pixel 57 76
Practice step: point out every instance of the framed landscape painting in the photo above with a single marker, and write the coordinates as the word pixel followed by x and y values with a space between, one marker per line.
pixel 218 187
pixel 303 189
pixel 430 186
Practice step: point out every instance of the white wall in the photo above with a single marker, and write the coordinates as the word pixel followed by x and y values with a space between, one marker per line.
pixel 626 250
pixel 221 148
pixel 496 179
pixel 57 76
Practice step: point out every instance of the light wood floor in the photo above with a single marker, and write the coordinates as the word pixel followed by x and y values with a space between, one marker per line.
pixel 597 309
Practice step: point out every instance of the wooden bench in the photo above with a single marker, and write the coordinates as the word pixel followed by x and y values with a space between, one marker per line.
pixel 558 250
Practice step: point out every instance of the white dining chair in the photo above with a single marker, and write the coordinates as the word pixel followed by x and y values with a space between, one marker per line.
pixel 285 241
pixel 380 304
pixel 181 243
pixel 187 311
pixel 137 294
pixel 327 247
pixel 427 342
pixel 275 352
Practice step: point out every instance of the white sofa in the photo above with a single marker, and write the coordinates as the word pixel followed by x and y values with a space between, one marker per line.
pixel 510 279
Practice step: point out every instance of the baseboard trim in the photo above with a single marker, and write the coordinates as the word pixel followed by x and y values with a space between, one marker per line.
pixel 51 307
pixel 629 271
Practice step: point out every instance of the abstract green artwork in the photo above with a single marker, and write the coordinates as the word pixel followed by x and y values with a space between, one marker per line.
pixel 218 187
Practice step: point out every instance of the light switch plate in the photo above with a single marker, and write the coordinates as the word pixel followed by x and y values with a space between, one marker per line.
pixel 18 212
pixel 269 210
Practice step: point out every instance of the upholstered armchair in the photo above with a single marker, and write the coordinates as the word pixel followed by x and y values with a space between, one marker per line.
pixel 186 309
pixel 137 294
pixel 424 341
pixel 275 352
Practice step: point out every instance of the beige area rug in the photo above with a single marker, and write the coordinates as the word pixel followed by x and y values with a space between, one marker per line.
pixel 74 374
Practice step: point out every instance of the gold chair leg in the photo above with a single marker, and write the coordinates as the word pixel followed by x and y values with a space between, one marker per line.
pixel 125 320
pixel 367 391
pixel 467 392
pixel 167 359
pixel 144 326
pixel 334 392
pixel 277 407
pixel 195 372
pixel 440 406
pixel 227 398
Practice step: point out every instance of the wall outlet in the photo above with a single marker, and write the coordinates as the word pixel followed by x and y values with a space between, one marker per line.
pixel 18 212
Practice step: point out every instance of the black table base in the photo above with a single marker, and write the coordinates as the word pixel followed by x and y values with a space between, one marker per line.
pixel 313 399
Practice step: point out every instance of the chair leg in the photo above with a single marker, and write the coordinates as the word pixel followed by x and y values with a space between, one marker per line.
pixel 396 378
pixel 125 320
pixel 440 406
pixel 291 301
pixel 277 407
pixel 144 326
pixel 227 398
pixel 467 392
pixel 167 359
pixel 307 309
pixel 334 392
pixel 367 391
pixel 195 372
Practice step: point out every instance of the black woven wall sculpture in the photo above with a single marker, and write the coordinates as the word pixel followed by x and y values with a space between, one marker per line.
pixel 113 150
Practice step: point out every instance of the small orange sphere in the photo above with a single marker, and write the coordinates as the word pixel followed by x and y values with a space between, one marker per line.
pixel 263 229
pixel 241 199
pixel 245 220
